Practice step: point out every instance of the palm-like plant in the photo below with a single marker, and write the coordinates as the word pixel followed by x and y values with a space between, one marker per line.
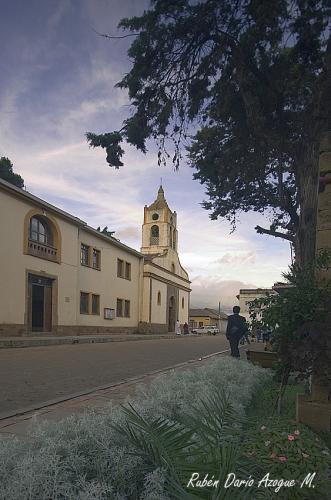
pixel 206 442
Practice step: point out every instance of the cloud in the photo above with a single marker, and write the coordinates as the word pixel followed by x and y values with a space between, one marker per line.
pixel 128 233
pixel 207 292
pixel 63 88
pixel 239 258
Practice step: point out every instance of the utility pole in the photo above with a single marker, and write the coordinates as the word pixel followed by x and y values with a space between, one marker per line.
pixel 219 316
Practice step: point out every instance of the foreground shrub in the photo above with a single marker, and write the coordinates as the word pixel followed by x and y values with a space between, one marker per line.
pixel 284 448
pixel 90 457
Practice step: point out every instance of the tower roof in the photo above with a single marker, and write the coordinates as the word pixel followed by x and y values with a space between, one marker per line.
pixel 160 201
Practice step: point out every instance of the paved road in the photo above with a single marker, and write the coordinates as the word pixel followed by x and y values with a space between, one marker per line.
pixel 38 374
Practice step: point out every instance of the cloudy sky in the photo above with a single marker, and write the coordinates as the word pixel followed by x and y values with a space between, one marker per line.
pixel 57 83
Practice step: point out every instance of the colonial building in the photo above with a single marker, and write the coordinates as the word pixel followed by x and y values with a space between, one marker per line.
pixel 60 275
pixel 165 282
pixel 247 295
pixel 208 317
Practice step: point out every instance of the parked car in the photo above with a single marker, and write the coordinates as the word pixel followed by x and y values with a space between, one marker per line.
pixel 210 330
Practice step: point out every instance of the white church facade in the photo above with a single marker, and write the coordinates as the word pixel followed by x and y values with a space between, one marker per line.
pixel 59 275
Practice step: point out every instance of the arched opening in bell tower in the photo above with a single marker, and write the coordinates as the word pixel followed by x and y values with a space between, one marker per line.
pixel 154 235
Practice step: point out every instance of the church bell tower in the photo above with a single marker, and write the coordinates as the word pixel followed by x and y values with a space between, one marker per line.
pixel 159 230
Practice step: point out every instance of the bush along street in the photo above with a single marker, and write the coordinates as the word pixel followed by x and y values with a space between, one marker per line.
pixel 192 434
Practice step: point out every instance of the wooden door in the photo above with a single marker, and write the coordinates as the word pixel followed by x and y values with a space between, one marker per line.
pixel 47 308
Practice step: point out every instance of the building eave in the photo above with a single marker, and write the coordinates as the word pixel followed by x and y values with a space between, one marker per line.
pixel 40 203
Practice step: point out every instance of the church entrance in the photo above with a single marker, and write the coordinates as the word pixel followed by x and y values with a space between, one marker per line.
pixel 40 303
pixel 172 314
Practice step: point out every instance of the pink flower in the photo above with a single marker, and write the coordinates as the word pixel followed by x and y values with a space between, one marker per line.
pixel 290 437
pixel 297 432
pixel 263 427
pixel 282 459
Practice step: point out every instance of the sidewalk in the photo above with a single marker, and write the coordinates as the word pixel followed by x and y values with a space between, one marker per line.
pixel 45 340
pixel 18 424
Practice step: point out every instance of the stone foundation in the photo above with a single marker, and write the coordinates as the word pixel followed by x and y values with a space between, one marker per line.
pixel 13 330
pixel 64 330
pixel 156 328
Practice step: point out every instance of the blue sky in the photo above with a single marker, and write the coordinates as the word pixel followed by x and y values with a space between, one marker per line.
pixel 57 83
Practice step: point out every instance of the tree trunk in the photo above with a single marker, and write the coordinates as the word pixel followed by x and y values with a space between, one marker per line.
pixel 308 195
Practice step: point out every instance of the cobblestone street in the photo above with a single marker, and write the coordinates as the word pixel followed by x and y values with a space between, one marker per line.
pixel 35 375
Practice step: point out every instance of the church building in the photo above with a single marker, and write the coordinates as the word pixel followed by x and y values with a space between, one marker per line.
pixel 165 282
pixel 61 276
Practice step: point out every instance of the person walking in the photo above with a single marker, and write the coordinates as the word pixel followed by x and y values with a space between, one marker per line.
pixel 235 330
pixel 185 329
pixel 258 335
pixel 177 328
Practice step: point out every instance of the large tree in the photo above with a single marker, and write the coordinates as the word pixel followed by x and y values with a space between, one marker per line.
pixel 7 173
pixel 244 86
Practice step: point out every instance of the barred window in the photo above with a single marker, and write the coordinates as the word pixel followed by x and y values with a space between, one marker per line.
pixel 84 303
pixel 128 270
pixel 127 309
pixel 120 268
pixel 96 259
pixel 95 304
pixel 84 254
pixel 119 308
pixel 154 235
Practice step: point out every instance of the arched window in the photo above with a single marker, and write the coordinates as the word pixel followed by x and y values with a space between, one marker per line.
pixel 155 235
pixel 174 240
pixel 173 269
pixel 40 230
pixel 183 303
pixel 170 242
pixel 158 298
pixel 42 237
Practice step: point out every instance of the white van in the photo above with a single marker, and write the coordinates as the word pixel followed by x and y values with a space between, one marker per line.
pixel 210 330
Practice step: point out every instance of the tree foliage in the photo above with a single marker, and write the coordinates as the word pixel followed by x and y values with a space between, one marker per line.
pixel 244 86
pixel 105 231
pixel 300 319
pixel 7 173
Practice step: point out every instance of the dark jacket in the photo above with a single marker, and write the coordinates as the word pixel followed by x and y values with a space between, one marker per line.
pixel 236 326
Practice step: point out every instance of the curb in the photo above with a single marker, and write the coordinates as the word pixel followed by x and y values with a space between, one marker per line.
pixel 52 402
pixel 49 342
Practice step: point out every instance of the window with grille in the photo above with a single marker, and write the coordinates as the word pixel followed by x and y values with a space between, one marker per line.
pixel 84 303
pixel 128 270
pixel 154 235
pixel 96 259
pixel 84 254
pixel 127 309
pixel 95 304
pixel 120 268
pixel 119 308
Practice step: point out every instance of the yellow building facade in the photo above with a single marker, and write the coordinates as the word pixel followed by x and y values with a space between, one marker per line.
pixel 247 295
pixel 60 275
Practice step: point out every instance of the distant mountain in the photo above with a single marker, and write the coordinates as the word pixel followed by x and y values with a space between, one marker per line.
pixel 224 308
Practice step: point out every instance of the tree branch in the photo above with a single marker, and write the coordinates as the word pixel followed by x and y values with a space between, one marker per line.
pixel 276 234
pixel 113 36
